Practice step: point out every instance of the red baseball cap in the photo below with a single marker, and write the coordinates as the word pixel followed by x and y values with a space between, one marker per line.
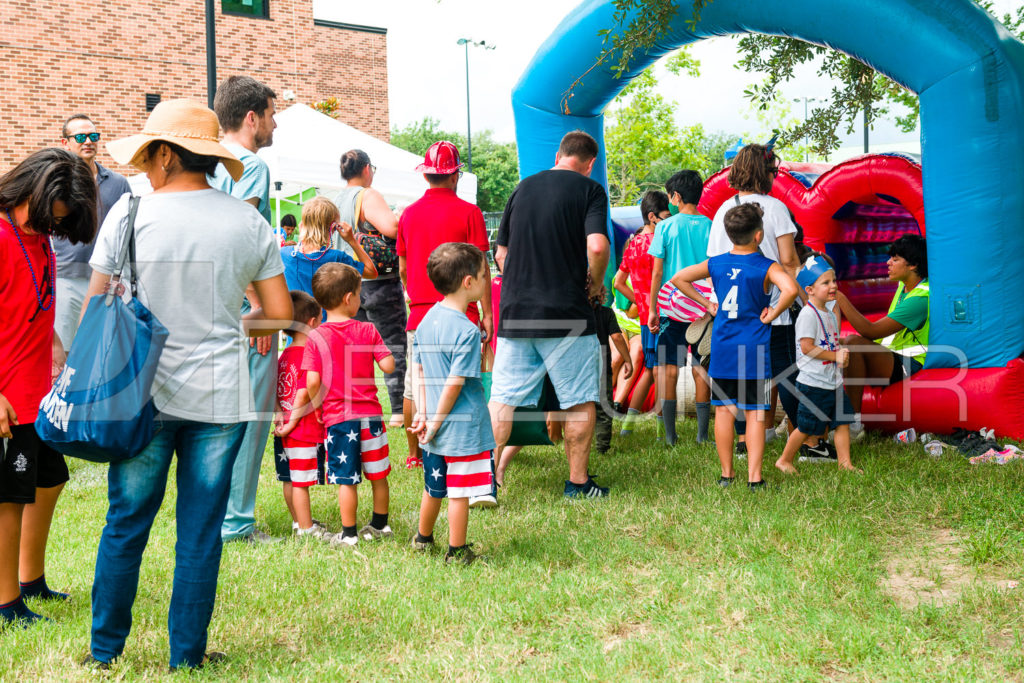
pixel 441 159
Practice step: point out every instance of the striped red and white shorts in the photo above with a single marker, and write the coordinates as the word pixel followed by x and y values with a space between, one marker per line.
pixel 304 462
pixel 355 448
pixel 461 477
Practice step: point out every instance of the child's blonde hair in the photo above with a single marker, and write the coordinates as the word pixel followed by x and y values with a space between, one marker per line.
pixel 318 214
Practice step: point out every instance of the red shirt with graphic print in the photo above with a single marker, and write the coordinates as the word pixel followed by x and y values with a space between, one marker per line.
pixel 637 264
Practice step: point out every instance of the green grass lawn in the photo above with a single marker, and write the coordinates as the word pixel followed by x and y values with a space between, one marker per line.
pixel 902 573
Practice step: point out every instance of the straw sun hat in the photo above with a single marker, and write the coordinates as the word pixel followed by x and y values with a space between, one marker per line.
pixel 182 122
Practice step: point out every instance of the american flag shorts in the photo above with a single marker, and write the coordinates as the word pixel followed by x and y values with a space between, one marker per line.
pixel 462 477
pixel 299 462
pixel 357 447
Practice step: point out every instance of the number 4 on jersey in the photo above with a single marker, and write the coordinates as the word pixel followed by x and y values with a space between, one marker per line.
pixel 730 305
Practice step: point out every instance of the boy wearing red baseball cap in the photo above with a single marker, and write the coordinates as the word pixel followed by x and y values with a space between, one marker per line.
pixel 439 216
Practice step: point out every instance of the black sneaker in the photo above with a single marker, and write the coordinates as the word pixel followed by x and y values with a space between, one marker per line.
pixel 587 490
pixel 725 482
pixel 817 453
pixel 757 485
pixel 741 450
pixel 210 658
pixel 464 556
pixel 91 662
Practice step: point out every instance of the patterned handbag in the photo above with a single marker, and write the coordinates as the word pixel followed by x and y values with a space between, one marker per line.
pixel 383 251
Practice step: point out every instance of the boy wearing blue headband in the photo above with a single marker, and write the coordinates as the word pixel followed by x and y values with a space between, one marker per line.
pixel 823 402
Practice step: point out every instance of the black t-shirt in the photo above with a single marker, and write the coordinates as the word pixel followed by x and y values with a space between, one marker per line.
pixel 545 227
pixel 605 325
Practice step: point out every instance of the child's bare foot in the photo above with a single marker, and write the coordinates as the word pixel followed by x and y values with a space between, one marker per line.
pixel 849 467
pixel 786 467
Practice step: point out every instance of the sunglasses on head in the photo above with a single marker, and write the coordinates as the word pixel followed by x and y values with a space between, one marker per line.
pixel 82 137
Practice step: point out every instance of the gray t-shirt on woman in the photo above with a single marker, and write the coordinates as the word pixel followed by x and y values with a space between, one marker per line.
pixel 197 252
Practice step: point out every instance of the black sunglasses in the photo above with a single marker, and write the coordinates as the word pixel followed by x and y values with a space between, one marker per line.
pixel 81 137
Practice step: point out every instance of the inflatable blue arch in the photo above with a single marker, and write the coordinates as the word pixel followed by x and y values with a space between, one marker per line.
pixel 966 68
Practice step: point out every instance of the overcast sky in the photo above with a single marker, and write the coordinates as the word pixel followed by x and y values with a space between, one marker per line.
pixel 426 67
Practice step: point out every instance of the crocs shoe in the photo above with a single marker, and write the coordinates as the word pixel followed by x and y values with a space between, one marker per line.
pixel 412 462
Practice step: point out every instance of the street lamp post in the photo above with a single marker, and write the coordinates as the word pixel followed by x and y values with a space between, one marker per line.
pixel 211 53
pixel 807 151
pixel 469 138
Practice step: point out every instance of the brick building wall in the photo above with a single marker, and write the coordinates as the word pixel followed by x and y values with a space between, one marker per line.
pixel 101 59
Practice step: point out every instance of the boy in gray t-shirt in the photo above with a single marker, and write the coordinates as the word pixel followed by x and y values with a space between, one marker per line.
pixel 452 422
pixel 823 402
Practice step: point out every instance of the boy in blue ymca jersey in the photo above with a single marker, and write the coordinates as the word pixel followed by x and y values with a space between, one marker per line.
pixel 741 366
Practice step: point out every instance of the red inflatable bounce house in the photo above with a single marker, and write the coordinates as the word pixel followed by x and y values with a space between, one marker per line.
pixel 851 211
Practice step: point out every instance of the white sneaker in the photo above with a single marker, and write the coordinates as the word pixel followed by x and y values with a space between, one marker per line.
pixel 316 522
pixel 315 531
pixel 483 502
pixel 338 540
pixel 782 431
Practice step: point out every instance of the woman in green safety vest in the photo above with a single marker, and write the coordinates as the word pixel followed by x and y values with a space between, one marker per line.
pixel 903 332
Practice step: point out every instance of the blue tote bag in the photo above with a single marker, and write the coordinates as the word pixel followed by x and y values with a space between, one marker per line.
pixel 100 408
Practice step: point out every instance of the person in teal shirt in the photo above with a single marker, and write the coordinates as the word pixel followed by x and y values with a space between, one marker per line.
pixel 679 242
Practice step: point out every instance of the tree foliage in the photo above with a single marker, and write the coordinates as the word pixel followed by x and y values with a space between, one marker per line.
pixel 495 164
pixel 643 143
pixel 860 90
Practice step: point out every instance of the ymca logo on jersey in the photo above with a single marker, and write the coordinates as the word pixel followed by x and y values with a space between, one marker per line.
pixel 735 272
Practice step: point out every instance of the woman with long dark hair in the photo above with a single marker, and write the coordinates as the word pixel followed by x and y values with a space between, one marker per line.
pixel 51 193
pixel 752 175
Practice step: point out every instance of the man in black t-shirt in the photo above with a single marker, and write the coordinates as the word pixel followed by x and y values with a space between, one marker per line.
pixel 553 232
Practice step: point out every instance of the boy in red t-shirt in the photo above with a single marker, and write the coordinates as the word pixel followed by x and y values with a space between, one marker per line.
pixel 300 462
pixel 637 264
pixel 338 361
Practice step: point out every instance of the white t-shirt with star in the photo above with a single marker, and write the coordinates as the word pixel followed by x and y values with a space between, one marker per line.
pixel 823 327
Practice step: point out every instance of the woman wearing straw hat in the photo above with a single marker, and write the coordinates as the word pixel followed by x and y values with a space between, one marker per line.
pixel 197 250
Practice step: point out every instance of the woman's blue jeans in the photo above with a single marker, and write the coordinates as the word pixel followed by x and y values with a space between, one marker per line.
pixel 206 453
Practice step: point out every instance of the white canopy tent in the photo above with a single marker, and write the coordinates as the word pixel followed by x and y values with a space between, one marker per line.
pixel 307 150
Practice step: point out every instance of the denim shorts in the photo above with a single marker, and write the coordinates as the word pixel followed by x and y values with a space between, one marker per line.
pixel 822 409
pixel 572 363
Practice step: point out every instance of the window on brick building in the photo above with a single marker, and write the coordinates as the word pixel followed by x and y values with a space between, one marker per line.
pixel 247 8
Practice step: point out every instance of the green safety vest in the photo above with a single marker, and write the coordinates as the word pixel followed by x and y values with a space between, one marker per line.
pixel 906 342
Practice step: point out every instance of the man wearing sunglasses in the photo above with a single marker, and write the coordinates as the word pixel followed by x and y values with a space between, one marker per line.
pixel 79 136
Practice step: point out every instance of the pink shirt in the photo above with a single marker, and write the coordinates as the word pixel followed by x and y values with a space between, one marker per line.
pixel 343 354
pixel 291 378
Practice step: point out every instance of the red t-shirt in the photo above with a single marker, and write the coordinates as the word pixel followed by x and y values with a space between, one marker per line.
pixel 638 264
pixel 291 378
pixel 25 347
pixel 439 216
pixel 343 354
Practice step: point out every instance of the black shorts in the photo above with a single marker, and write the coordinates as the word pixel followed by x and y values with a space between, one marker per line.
pixel 26 463
pixel 672 346
pixel 902 367
pixel 783 350
pixel 745 394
